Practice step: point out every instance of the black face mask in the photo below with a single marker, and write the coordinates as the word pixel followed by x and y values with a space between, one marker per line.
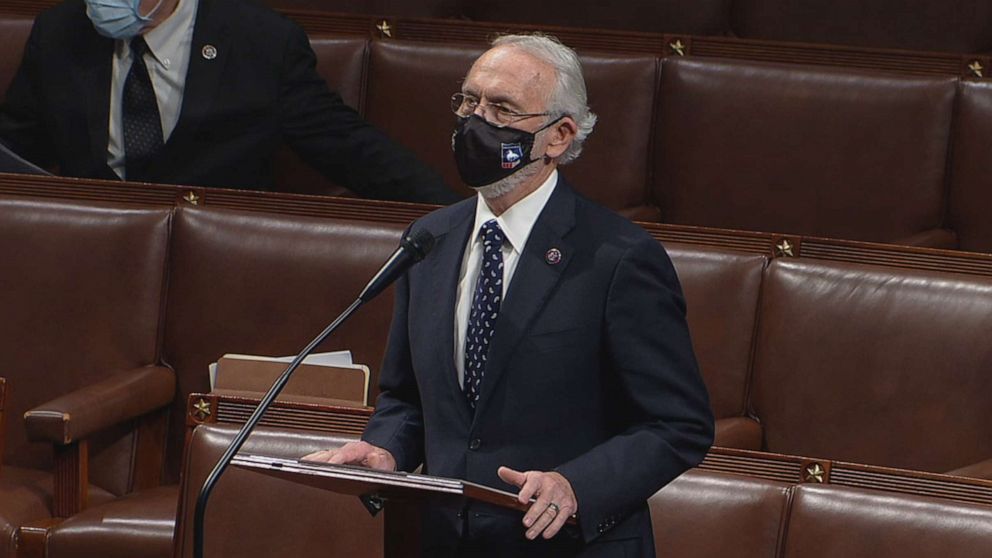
pixel 485 153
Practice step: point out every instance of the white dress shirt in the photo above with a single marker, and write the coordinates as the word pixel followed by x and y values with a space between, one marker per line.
pixel 516 222
pixel 169 45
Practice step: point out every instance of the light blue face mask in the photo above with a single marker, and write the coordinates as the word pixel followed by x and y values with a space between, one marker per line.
pixel 119 19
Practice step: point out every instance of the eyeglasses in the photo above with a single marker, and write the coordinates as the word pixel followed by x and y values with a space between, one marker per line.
pixel 465 105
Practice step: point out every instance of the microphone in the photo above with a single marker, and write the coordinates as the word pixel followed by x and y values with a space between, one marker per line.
pixel 412 249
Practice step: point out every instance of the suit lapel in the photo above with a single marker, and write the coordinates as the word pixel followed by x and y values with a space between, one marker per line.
pixel 208 55
pixel 93 71
pixel 531 285
pixel 444 268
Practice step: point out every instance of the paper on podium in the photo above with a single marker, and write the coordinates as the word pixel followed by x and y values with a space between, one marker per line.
pixel 374 486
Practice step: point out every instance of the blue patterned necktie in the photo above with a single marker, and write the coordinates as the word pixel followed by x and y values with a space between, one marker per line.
pixel 142 123
pixel 485 309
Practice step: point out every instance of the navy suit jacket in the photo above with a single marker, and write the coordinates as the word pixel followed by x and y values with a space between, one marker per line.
pixel 262 90
pixel 590 371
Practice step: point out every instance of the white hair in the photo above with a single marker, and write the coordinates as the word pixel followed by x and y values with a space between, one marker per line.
pixel 569 95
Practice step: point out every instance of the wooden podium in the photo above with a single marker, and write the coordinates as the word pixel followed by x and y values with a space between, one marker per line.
pixel 400 494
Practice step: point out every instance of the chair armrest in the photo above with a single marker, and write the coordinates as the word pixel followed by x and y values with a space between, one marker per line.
pixel 120 397
pixel 980 470
pixel 933 238
pixel 738 432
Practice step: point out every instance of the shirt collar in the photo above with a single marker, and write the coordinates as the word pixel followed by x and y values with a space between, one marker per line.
pixel 165 39
pixel 519 219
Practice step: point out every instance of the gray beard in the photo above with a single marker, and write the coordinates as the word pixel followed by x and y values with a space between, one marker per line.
pixel 510 183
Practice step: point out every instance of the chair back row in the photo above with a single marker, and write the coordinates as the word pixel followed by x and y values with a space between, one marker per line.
pixel 806 150
pixel 958 26
pixel 834 358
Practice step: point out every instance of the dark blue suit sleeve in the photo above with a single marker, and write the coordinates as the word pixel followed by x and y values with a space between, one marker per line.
pixel 332 137
pixel 21 125
pixel 398 424
pixel 659 391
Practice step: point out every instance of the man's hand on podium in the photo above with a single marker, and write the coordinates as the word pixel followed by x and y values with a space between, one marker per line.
pixel 555 501
pixel 355 453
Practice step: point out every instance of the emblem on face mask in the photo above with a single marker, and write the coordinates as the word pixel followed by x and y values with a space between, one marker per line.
pixel 511 154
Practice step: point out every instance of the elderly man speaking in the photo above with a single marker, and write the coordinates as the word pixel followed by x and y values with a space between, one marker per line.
pixel 542 345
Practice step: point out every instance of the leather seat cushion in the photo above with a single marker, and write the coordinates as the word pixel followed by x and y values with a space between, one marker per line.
pixel 140 524
pixel 27 496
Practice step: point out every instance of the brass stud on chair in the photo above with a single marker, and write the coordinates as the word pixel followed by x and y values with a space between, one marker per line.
pixel 678 47
pixel 201 410
pixel 814 472
pixel 384 28
pixel 977 68
pixel 192 198
pixel 785 249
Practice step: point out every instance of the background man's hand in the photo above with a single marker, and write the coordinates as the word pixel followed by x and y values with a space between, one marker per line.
pixel 555 500
pixel 356 453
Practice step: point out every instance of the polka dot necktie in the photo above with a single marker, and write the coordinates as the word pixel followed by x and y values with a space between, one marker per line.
pixel 485 309
pixel 142 124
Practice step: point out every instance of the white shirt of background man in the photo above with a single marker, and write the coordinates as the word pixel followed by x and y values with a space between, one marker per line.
pixel 169 45
pixel 516 222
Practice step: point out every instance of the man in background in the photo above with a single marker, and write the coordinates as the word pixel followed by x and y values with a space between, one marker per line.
pixel 192 92
pixel 541 346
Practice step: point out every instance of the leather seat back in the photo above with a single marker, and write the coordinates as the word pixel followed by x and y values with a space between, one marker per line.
pixel 721 288
pixel 409 88
pixel 962 26
pixel 801 149
pixel 251 514
pixel 703 514
pixel 970 195
pixel 266 284
pixel 78 302
pixel 874 364
pixel 833 521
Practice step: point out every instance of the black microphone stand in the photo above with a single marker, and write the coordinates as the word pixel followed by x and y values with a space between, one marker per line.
pixel 239 440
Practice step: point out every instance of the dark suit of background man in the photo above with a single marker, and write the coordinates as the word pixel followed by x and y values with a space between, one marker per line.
pixel 233 81
pixel 585 393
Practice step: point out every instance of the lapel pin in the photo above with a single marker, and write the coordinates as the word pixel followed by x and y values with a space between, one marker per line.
pixel 553 256
pixel 209 52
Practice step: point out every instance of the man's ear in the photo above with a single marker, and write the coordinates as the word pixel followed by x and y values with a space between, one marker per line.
pixel 560 136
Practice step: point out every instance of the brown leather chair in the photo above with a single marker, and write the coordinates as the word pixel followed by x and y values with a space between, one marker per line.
pixel 970 198
pixel 803 150
pixel 15 31
pixel 409 88
pixel 408 96
pixel 875 365
pixel 242 282
pixel 252 515
pixel 961 26
pixel 80 297
pixel 703 514
pixel 256 283
pixel 835 522
pixel 721 288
